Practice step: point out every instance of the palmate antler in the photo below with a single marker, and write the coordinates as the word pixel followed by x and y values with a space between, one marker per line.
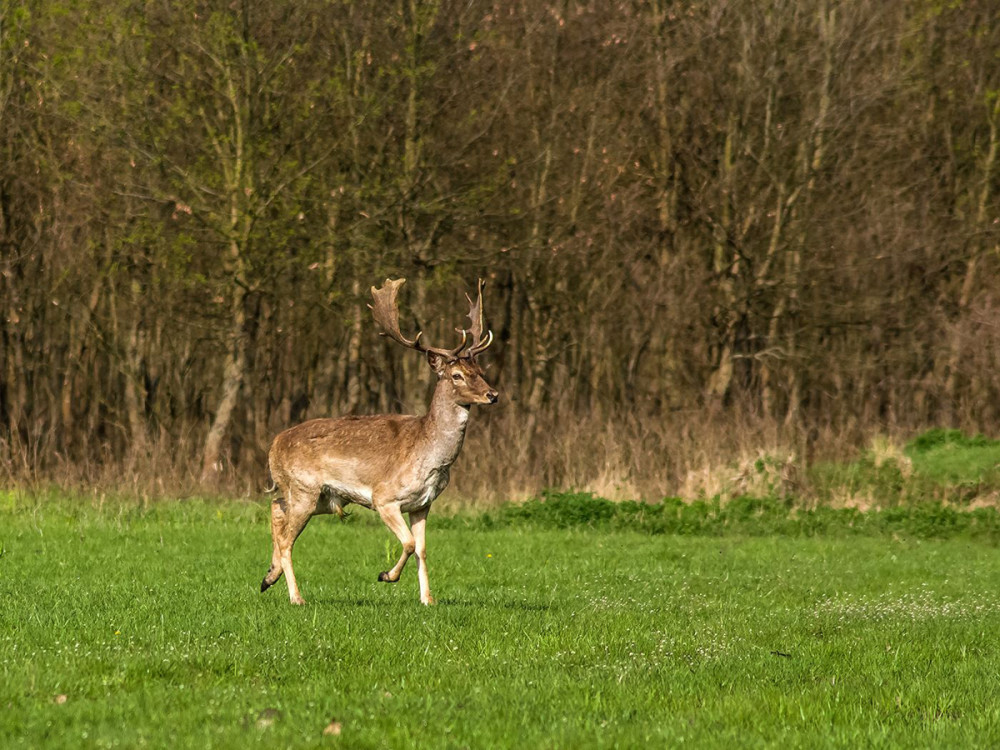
pixel 386 313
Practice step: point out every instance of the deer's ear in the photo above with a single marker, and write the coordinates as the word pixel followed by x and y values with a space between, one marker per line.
pixel 436 361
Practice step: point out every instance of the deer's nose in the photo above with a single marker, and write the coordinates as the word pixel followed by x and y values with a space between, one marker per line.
pixel 492 396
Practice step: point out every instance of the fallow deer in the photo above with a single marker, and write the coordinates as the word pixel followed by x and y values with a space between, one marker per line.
pixel 392 464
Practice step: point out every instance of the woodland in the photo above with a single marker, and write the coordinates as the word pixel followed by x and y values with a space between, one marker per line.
pixel 706 229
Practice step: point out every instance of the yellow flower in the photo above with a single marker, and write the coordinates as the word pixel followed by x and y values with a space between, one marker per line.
pixel 489 555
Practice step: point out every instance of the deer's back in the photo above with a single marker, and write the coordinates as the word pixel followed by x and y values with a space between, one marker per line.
pixel 358 448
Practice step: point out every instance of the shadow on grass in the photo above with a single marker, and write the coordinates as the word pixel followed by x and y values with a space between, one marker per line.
pixel 343 601
pixel 518 606
pixel 386 604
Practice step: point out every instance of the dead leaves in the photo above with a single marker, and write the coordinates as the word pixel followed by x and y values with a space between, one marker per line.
pixel 268 717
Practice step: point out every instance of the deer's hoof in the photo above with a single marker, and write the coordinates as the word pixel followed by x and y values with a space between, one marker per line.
pixel 264 585
pixel 384 577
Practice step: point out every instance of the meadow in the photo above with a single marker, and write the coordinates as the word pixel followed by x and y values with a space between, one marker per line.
pixel 129 624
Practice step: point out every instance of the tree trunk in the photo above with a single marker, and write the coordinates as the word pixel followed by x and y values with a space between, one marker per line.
pixel 969 280
pixel 232 379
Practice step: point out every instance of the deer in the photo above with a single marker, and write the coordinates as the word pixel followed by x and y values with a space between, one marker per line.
pixel 389 463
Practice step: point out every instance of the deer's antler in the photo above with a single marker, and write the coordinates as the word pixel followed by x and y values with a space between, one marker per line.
pixel 386 313
pixel 476 316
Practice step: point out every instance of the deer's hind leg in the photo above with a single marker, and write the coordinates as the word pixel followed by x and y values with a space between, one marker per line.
pixel 289 517
pixel 277 532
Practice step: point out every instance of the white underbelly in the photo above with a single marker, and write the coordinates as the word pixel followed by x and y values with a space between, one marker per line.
pixel 417 496
pixel 342 493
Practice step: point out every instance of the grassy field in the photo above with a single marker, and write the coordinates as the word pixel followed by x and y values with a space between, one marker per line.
pixel 129 626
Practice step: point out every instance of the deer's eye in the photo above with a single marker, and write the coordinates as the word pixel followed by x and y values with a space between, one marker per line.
pixel 457 376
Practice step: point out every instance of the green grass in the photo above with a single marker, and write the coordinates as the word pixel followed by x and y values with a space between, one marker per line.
pixel 149 621
pixel 940 464
pixel 949 457
pixel 749 516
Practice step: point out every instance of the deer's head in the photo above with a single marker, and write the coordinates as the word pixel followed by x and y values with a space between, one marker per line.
pixel 457 369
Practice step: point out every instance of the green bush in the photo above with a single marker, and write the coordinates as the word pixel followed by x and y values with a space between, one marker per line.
pixel 940 436
pixel 955 466
pixel 940 465
pixel 749 516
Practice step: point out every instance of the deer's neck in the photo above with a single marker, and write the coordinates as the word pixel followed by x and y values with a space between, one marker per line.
pixel 444 428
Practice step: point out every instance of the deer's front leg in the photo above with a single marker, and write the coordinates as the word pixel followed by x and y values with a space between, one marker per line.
pixel 393 518
pixel 418 527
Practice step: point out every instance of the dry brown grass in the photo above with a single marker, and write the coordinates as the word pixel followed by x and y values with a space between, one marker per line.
pixel 618 455
pixel 626 456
